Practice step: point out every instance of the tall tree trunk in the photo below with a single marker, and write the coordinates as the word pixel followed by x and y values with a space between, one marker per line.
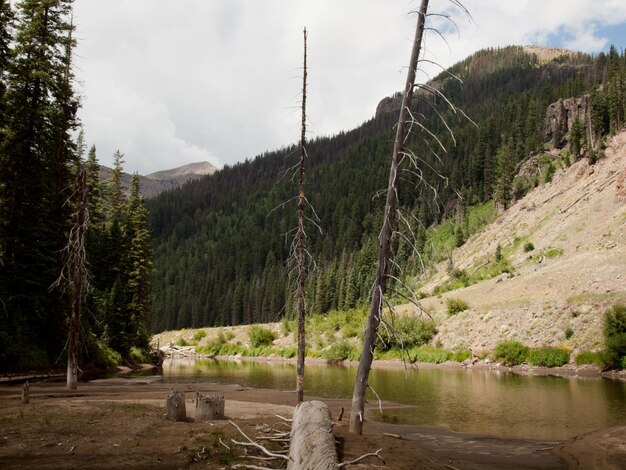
pixel 386 235
pixel 78 275
pixel 300 248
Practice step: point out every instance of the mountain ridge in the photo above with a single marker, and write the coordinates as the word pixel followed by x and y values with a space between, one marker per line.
pixel 153 184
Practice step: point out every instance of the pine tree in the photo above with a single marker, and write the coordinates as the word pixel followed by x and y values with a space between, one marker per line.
pixel 115 189
pixel 504 176
pixel 139 266
pixel 6 25
pixel 36 161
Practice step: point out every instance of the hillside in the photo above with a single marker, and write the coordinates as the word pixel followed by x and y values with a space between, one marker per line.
pixel 222 243
pixel 577 269
pixel 155 183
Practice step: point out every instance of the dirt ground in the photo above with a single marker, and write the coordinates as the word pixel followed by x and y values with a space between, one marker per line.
pixel 121 423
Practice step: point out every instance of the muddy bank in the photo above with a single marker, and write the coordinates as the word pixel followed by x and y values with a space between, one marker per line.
pixel 120 423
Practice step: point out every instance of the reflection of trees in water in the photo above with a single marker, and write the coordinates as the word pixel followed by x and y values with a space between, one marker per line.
pixel 482 401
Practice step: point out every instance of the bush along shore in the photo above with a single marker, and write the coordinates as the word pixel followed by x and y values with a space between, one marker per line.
pixel 336 337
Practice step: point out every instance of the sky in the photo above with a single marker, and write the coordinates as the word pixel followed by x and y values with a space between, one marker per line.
pixel 174 82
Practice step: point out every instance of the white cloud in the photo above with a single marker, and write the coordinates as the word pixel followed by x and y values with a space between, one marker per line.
pixel 172 82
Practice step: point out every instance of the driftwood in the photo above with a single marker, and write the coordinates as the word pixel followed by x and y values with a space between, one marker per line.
pixel 209 407
pixel 25 393
pixel 175 404
pixel 312 442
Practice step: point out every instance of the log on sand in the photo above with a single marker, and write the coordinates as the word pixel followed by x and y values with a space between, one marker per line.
pixel 312 444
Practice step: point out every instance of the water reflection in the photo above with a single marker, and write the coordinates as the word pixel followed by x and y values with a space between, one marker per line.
pixel 481 401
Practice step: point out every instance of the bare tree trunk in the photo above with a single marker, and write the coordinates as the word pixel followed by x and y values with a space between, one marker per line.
pixel 387 232
pixel 26 393
pixel 300 248
pixel 77 274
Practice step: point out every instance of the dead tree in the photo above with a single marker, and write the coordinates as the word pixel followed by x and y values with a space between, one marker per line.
pixel 301 242
pixel 175 406
pixel 312 444
pixel 75 274
pixel 386 234
pixel 209 407
pixel 389 233
pixel 26 393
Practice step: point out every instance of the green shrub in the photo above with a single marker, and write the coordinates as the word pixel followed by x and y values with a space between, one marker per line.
pixel 510 353
pixel 341 351
pixel 498 253
pixel 550 171
pixel 287 352
pixel 569 332
pixel 548 357
pixel 140 356
pixel 431 355
pixel 260 336
pixel 199 335
pixel 528 246
pixel 410 332
pixel 182 342
pixel 615 336
pixel 553 252
pixel 588 357
pixel 287 326
pixel 456 306
pixel 107 356
pixel 462 355
pixel 218 345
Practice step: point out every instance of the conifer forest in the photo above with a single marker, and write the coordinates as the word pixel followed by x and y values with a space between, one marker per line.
pixel 214 252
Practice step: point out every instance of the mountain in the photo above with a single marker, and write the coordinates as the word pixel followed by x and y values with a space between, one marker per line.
pixel 223 243
pixel 155 183
pixel 185 172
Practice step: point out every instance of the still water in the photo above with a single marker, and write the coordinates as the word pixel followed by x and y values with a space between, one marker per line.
pixel 476 401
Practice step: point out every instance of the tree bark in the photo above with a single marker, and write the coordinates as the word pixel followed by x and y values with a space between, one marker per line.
pixel 300 248
pixel 312 445
pixel 25 393
pixel 176 407
pixel 209 408
pixel 78 276
pixel 386 235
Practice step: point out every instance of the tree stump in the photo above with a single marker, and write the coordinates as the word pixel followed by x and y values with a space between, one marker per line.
pixel 26 393
pixel 175 404
pixel 209 407
pixel 312 444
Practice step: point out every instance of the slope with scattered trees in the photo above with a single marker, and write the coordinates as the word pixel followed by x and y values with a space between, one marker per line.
pixel 220 242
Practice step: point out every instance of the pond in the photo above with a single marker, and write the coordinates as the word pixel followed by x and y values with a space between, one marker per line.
pixel 487 402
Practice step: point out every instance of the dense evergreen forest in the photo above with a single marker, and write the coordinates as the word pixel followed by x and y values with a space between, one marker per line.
pixel 39 162
pixel 222 242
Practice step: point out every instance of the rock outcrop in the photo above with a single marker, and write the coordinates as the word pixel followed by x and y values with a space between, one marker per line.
pixel 560 117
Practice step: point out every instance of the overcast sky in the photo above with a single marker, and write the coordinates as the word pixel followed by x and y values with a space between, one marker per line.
pixel 173 82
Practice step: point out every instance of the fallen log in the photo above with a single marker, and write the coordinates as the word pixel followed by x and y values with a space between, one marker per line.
pixel 312 444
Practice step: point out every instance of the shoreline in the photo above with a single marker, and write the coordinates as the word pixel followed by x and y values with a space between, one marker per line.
pixel 587 371
pixel 131 411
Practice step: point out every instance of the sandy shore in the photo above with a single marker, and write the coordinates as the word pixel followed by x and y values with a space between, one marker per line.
pixel 120 423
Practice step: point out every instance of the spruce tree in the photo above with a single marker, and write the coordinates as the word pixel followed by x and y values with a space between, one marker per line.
pixel 504 176
pixel 138 265
pixel 36 160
